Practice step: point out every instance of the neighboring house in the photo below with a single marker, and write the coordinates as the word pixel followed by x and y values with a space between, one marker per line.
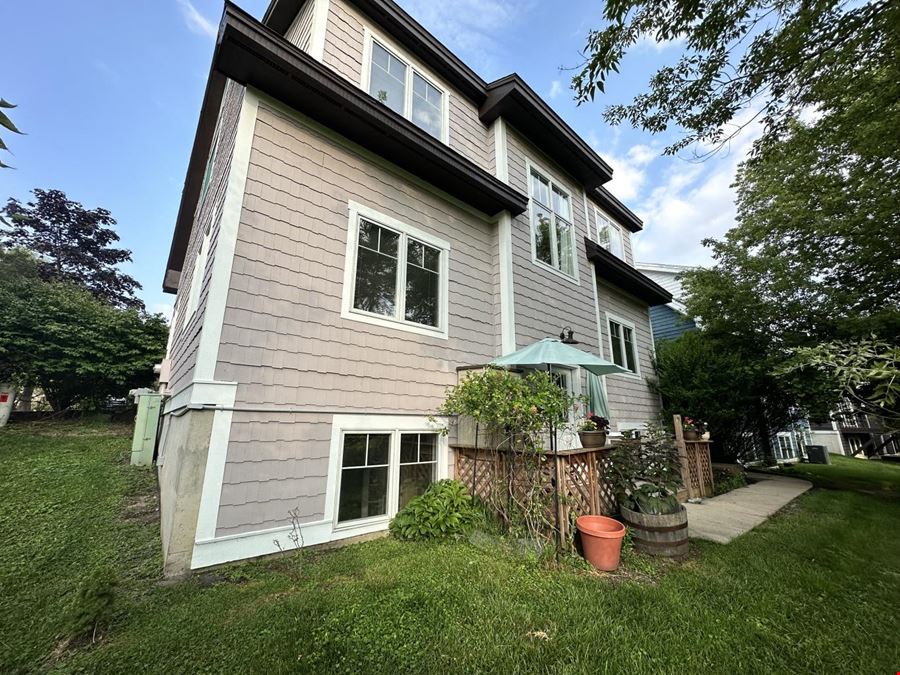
pixel 669 320
pixel 339 255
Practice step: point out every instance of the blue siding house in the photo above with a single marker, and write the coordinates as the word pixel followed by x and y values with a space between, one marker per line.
pixel 668 321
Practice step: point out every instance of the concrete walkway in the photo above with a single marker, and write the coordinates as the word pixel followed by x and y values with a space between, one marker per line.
pixel 721 519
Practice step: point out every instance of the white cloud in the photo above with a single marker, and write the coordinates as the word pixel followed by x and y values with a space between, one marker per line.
pixel 650 43
pixel 690 202
pixel 470 27
pixel 164 308
pixel 556 88
pixel 195 21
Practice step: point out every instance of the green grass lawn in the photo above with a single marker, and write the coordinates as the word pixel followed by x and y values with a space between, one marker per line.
pixel 846 473
pixel 815 589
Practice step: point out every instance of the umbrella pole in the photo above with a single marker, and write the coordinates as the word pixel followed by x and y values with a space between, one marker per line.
pixel 555 481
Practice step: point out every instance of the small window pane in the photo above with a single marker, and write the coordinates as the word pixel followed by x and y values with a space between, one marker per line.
pixel 565 253
pixel 432 259
pixel 379 448
pixel 427 445
pixel 615 241
pixel 628 335
pixel 387 81
pixel 414 480
pixel 540 189
pixel 602 231
pixel 561 204
pixel 368 235
pixel 389 242
pixel 415 253
pixel 422 295
pixel 363 493
pixel 615 331
pixel 426 106
pixel 542 241
pixel 354 450
pixel 376 282
pixel 409 448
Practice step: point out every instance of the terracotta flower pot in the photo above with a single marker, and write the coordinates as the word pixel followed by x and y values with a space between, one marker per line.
pixel 691 435
pixel 601 540
pixel 592 439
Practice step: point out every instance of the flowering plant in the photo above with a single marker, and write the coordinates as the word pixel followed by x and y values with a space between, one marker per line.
pixel 690 424
pixel 594 423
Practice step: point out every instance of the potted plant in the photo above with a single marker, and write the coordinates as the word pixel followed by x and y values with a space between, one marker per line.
pixel 592 431
pixel 646 475
pixel 692 429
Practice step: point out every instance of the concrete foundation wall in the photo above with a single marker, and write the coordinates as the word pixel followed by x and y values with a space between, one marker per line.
pixel 181 471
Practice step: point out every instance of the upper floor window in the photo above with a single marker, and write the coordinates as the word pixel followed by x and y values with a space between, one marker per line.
pixel 553 236
pixel 622 344
pixel 405 90
pixel 609 236
pixel 397 275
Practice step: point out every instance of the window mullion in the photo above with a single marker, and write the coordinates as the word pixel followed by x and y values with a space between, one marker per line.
pixel 401 277
pixel 554 252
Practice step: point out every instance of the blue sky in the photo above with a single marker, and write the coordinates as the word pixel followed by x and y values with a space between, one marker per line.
pixel 109 92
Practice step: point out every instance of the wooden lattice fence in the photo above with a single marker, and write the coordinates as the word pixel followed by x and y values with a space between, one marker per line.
pixel 582 471
pixel 696 465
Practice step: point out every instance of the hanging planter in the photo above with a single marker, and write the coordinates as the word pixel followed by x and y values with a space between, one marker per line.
pixel 601 540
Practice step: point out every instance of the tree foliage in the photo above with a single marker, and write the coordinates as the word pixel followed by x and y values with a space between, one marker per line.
pixel 72 243
pixel 779 59
pixel 866 373
pixel 730 388
pixel 6 123
pixel 76 347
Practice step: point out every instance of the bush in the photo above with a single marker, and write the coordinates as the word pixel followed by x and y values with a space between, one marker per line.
pixel 445 509
pixel 92 606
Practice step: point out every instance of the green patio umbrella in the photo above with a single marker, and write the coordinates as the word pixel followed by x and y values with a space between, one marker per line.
pixel 551 352
pixel 554 352
pixel 597 402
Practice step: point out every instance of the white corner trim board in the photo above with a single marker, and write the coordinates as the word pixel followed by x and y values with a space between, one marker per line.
pixel 507 292
pixel 319 29
pixel 220 277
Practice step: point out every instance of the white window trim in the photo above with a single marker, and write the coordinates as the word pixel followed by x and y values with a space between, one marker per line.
pixel 598 212
pixel 395 425
pixel 637 352
pixel 193 299
pixel 358 211
pixel 554 182
pixel 370 36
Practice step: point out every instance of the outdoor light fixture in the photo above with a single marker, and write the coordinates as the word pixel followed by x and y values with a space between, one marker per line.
pixel 567 336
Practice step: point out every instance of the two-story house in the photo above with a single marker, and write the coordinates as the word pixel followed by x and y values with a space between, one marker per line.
pixel 362 216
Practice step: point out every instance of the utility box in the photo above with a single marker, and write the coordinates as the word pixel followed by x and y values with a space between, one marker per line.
pixel 145 425
pixel 817 454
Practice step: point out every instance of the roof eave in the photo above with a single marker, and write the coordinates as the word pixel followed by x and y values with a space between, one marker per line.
pixel 625 276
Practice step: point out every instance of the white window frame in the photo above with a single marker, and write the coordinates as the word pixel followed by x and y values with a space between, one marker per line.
pixel 554 182
pixel 348 311
pixel 395 426
pixel 600 213
pixel 193 299
pixel 412 65
pixel 609 344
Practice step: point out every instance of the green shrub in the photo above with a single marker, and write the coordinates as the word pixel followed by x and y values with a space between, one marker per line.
pixel 92 606
pixel 445 509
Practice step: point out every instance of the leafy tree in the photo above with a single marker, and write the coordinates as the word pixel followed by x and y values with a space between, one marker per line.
pixel 716 380
pixel 780 58
pixel 73 244
pixel 866 373
pixel 8 124
pixel 76 347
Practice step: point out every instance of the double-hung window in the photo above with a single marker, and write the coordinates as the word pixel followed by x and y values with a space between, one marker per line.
pixel 609 236
pixel 405 90
pixel 381 471
pixel 396 274
pixel 622 344
pixel 553 237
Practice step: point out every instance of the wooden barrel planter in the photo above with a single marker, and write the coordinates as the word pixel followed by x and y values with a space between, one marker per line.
pixel 665 535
